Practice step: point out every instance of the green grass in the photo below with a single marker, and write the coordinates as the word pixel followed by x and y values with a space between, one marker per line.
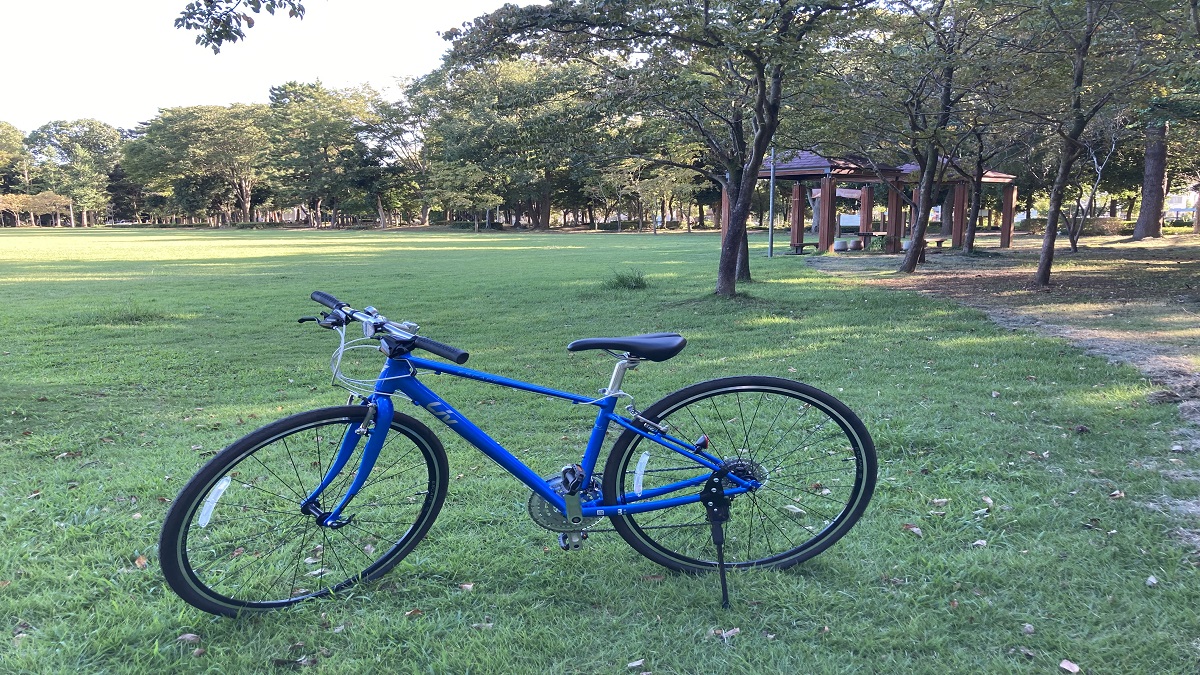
pixel 127 357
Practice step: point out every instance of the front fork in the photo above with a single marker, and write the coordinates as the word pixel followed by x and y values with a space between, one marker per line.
pixel 374 426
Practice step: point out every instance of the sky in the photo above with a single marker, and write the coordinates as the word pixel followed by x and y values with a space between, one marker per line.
pixel 119 61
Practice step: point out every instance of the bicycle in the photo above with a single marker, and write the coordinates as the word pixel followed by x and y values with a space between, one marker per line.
pixel 746 471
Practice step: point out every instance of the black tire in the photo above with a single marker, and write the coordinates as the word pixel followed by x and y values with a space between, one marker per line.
pixel 242 545
pixel 813 456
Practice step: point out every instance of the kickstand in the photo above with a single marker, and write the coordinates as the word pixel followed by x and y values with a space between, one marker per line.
pixel 717 505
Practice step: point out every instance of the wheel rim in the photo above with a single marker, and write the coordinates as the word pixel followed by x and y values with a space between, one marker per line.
pixel 247 545
pixel 807 457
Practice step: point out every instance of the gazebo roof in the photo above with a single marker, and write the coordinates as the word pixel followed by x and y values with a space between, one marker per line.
pixel 807 165
pixel 803 164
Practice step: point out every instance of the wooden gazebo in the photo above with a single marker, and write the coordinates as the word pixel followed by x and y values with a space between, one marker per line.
pixel 804 166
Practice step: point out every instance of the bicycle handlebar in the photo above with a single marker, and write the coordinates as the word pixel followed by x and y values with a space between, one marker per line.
pixel 327 300
pixel 415 341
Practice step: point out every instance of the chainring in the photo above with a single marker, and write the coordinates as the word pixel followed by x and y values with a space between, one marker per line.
pixel 546 515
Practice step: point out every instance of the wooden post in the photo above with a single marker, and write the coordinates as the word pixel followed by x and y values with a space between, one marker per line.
pixel 827 215
pixel 912 212
pixel 866 209
pixel 726 207
pixel 894 215
pixel 959 224
pixel 796 222
pixel 1008 205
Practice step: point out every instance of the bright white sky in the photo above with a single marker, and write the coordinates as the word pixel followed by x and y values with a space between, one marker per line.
pixel 119 61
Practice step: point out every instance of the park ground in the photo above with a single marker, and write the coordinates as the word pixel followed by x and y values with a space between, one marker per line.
pixel 1031 510
pixel 1131 302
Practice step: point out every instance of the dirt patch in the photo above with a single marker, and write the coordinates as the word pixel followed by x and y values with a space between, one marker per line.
pixel 1130 302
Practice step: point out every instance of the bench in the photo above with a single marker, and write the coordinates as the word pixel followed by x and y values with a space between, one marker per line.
pixel 798 249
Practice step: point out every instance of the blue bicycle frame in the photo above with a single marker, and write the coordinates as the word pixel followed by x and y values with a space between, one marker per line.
pixel 400 375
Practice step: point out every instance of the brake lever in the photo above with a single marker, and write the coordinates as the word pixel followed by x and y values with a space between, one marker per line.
pixel 306 319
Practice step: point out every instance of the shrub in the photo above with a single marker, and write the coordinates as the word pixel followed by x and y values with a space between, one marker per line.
pixel 1104 226
pixel 1031 225
pixel 631 280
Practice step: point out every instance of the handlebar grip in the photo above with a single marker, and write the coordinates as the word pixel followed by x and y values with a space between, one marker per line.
pixel 445 351
pixel 327 300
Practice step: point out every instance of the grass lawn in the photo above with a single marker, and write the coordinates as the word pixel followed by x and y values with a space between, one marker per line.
pixel 1014 525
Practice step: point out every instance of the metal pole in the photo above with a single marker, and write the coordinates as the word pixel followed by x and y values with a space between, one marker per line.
pixel 771 211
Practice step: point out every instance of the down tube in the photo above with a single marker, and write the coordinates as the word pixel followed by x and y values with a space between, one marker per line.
pixel 432 403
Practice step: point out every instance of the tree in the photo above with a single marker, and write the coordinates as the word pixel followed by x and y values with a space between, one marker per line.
pixel 531 130
pixel 923 76
pixel 1090 54
pixel 318 151
pixel 199 144
pixel 14 158
pixel 221 21
pixel 715 68
pixel 74 159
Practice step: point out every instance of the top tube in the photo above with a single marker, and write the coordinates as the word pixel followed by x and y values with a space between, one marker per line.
pixel 439 367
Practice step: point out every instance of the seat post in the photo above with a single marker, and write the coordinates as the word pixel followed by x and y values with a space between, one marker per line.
pixel 625 362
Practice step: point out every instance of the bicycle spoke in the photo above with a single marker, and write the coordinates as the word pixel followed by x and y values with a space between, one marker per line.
pixel 256 550
pixel 780 436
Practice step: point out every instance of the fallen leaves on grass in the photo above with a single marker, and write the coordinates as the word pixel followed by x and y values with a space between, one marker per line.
pixel 635 664
pixel 141 562
pixel 415 612
pixel 1027 628
pixel 979 543
pixel 1116 494
pixel 726 634
pixel 1151 581
pixel 1068 666
pixel 914 529
pixel 188 638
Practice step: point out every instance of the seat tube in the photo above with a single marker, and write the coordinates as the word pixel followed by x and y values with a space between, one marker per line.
pixel 599 432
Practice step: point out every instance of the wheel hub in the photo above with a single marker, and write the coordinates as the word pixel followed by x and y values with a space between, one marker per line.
pixel 746 469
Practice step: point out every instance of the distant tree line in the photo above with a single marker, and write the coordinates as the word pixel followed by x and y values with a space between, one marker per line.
pixel 516 143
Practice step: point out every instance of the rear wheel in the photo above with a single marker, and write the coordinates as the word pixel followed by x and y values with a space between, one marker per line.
pixel 235 539
pixel 812 457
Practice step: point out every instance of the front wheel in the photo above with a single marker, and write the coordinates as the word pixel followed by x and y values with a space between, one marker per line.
pixel 811 457
pixel 236 540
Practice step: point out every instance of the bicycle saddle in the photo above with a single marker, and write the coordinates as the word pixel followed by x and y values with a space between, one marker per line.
pixel 652 347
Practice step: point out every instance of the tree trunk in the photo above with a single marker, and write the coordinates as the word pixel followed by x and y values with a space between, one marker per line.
pixel 743 260
pixel 1150 217
pixel 973 213
pixel 925 194
pixel 1196 210
pixel 1069 153
pixel 948 213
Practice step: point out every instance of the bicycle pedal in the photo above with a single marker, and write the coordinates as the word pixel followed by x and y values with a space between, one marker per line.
pixel 571 541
